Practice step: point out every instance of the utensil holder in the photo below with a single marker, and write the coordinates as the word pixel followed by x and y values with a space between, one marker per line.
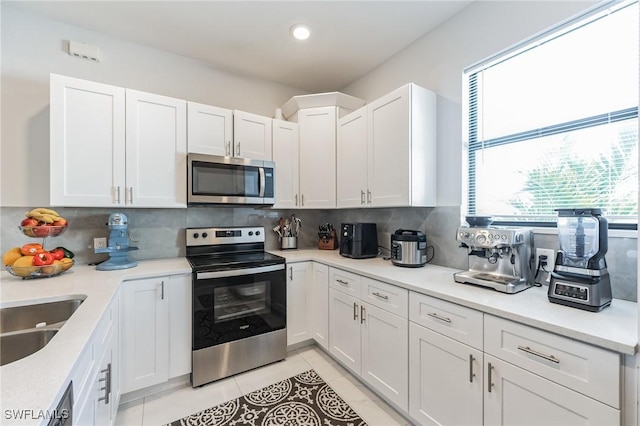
pixel 289 243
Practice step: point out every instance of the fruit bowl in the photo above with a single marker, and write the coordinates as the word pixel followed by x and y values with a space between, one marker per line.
pixel 42 231
pixel 26 272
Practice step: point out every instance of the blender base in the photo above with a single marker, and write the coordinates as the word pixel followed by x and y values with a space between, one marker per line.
pixel 591 294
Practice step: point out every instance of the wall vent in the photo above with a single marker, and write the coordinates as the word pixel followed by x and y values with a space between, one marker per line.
pixel 84 51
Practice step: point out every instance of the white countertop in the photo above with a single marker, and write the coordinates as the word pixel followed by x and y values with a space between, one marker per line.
pixel 38 381
pixel 614 328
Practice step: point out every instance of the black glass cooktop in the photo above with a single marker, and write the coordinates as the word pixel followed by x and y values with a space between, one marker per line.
pixel 221 262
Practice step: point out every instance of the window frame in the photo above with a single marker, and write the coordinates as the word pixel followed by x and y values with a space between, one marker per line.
pixel 472 144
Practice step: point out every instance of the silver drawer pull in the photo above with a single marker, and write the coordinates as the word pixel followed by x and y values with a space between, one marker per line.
pixel 342 282
pixel 438 317
pixel 355 311
pixel 528 350
pixel 381 296
pixel 490 379
pixel 471 373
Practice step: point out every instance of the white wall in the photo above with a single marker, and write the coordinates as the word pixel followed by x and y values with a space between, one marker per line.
pixel 33 47
pixel 436 61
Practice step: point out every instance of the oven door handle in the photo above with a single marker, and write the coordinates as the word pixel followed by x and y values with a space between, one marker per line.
pixel 238 272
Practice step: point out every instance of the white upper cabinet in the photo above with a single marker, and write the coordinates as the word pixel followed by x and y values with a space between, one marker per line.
pixel 115 147
pixel 209 129
pixel 156 151
pixel 87 153
pixel 397 166
pixel 286 156
pixel 318 157
pixel 352 159
pixel 252 136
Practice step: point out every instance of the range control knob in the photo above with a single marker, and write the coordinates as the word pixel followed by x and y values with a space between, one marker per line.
pixel 204 235
pixel 196 235
pixel 257 232
pixel 251 233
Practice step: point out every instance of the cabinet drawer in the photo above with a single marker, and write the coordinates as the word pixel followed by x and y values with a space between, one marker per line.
pixel 345 281
pixel 454 321
pixel 590 370
pixel 386 296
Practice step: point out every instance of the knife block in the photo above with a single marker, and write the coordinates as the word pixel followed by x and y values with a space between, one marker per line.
pixel 330 243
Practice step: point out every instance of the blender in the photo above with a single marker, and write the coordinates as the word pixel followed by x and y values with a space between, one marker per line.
pixel 580 278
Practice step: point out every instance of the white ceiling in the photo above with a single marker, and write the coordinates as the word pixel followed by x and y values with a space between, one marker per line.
pixel 349 38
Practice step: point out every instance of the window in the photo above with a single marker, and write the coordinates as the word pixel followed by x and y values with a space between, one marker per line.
pixel 553 122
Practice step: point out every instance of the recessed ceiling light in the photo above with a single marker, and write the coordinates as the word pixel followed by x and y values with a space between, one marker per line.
pixel 301 31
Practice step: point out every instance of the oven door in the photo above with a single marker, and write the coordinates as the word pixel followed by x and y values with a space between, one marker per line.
pixel 235 304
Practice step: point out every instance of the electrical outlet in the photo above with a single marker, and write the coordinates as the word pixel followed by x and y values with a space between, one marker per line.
pixel 551 259
pixel 99 243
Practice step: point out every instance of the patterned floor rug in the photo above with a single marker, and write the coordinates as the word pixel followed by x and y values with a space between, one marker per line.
pixel 304 399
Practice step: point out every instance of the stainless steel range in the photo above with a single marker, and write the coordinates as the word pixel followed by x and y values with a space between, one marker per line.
pixel 239 302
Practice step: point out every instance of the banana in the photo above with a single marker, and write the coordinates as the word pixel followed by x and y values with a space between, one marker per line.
pixel 46 218
pixel 42 210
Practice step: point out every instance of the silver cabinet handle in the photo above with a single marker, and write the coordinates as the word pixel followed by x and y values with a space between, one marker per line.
pixel 117 195
pixel 471 373
pixel 302 199
pixel 355 311
pixel 368 197
pixel 237 149
pixel 381 296
pixel 438 317
pixel 342 282
pixel 291 273
pixel 528 350
pixel 489 381
pixel 228 149
pixel 362 313
pixel 296 199
pixel 161 290
pixel 107 387
pixel 130 190
pixel 362 197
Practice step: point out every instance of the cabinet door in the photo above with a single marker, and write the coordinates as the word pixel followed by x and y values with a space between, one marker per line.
pixel 145 333
pixel 317 157
pixel 319 305
pixel 445 379
pixel 209 129
pixel 513 396
pixel 252 136
pixel 298 288
pixel 87 141
pixel 344 329
pixel 179 293
pixel 156 151
pixel 352 159
pixel 385 353
pixel 286 156
pixel 389 150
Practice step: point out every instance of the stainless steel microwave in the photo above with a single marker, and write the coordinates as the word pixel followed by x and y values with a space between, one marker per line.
pixel 213 179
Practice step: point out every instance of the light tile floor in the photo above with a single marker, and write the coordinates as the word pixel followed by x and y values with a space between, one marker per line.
pixel 172 405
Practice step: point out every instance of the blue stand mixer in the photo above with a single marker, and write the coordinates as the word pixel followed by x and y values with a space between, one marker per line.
pixel 118 246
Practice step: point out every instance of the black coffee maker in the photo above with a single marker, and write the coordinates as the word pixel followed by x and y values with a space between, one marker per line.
pixel 580 278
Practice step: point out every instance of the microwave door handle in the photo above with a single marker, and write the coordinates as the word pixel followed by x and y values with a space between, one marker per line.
pixel 263 184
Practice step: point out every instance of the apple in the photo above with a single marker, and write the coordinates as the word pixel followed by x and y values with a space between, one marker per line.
pixel 29 222
pixel 41 231
pixel 61 222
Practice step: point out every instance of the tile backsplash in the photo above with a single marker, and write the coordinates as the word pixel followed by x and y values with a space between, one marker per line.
pixel 160 233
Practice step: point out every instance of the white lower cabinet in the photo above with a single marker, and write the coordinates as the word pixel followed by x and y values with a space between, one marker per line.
pixel 156 330
pixel 298 290
pixel 445 379
pixel 96 375
pixel 369 340
pixel 514 396
pixel 319 305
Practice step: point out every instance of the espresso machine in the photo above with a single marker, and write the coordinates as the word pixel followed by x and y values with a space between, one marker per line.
pixel 580 278
pixel 118 246
pixel 499 258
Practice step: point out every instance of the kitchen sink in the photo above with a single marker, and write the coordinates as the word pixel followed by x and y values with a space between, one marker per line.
pixel 15 346
pixel 28 316
pixel 26 329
